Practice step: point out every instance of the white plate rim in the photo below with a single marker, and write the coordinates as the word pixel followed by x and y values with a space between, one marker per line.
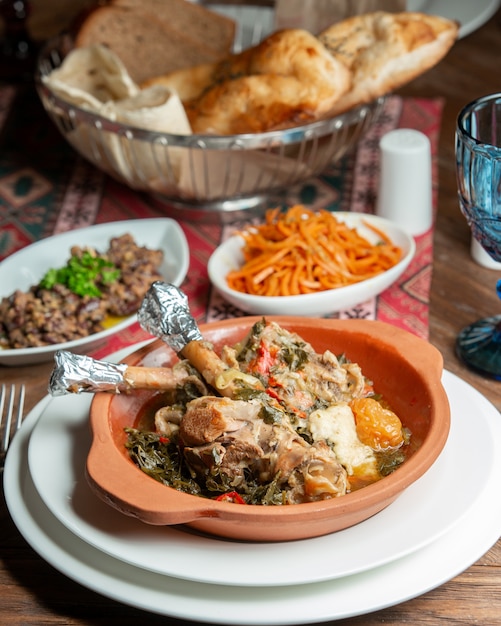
pixel 471 15
pixel 139 228
pixel 228 255
pixel 352 596
pixel 171 552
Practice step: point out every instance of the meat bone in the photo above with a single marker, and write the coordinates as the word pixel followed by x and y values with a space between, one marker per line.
pixel 165 314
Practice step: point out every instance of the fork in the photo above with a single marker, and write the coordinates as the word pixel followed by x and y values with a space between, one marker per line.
pixel 6 417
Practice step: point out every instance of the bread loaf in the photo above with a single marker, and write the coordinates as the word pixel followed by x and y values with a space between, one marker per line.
pixel 384 51
pixel 293 77
pixel 205 28
pixel 288 79
pixel 148 43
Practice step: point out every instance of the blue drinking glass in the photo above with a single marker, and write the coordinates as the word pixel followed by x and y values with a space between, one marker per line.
pixel 478 167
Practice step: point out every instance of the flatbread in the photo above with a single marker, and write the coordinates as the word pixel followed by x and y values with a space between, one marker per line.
pixel 90 76
pixel 384 51
pixel 149 162
pixel 286 80
pixel 95 79
pixel 292 77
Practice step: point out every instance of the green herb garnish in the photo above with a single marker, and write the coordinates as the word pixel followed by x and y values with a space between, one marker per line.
pixel 82 275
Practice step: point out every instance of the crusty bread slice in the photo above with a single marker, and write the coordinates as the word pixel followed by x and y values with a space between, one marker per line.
pixel 145 45
pixel 204 27
pixel 384 51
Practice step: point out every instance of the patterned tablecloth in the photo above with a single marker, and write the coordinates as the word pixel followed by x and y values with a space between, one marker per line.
pixel 46 188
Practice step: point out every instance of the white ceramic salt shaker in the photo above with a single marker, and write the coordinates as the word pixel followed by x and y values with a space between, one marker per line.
pixel 405 184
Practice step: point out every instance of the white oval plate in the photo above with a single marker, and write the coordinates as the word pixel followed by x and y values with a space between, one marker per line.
pixel 26 267
pixel 228 256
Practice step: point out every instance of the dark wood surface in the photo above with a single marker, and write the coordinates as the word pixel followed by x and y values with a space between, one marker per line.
pixel 34 593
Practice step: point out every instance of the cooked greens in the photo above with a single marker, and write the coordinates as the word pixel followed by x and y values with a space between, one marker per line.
pixel 82 274
pixel 160 458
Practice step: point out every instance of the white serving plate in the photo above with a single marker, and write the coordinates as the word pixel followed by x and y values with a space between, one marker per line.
pixel 254 23
pixel 426 510
pixel 331 600
pixel 228 256
pixel 470 15
pixel 26 267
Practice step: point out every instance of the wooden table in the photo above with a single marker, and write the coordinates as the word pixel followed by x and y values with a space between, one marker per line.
pixel 34 593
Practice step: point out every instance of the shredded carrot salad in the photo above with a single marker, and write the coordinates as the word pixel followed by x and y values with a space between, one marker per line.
pixel 301 251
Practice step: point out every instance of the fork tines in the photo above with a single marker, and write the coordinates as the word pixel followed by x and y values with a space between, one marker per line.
pixel 7 415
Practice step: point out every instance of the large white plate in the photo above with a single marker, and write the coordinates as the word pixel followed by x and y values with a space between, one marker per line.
pixel 228 256
pixel 26 267
pixel 471 15
pixel 254 23
pixel 426 510
pixel 385 586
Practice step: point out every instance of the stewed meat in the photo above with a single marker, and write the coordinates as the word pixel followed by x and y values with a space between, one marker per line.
pixel 230 437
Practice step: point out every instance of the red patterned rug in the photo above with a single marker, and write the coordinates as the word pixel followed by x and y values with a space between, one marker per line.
pixel 46 188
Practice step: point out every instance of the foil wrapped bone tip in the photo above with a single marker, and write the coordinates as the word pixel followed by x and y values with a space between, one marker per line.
pixel 76 373
pixel 165 313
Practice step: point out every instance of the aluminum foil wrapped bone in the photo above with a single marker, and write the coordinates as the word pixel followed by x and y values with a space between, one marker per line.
pixel 76 373
pixel 165 314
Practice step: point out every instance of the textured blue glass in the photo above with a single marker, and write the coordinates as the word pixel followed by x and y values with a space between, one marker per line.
pixel 478 167
pixel 478 160
pixel 479 345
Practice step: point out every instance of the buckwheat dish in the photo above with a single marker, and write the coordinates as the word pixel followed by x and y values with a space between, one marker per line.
pixel 93 291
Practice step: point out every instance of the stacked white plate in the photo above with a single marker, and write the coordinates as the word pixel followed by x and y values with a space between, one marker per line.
pixel 400 553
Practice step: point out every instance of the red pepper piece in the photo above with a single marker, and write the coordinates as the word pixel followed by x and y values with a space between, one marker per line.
pixel 265 359
pixel 231 496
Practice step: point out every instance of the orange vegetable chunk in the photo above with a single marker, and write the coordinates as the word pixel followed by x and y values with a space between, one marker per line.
pixel 377 426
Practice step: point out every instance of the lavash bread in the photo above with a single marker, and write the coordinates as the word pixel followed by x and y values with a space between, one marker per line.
pixel 91 76
pixel 148 43
pixel 95 79
pixel 384 51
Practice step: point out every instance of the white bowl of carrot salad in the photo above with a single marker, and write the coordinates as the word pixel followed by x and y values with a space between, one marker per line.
pixel 309 263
